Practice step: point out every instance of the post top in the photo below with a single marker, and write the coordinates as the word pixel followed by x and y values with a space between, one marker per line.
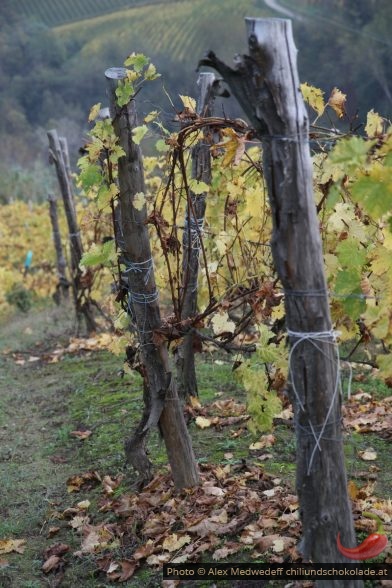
pixel 116 73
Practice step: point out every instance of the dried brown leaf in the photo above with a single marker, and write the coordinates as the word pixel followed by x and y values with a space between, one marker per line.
pixel 51 564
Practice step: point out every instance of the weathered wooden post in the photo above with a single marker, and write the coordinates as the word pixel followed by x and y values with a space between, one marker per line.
pixel 266 85
pixel 82 301
pixel 193 226
pixel 62 288
pixel 162 405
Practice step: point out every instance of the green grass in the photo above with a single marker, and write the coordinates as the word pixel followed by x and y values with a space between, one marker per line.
pixel 43 403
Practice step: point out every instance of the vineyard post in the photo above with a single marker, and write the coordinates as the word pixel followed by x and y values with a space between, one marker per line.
pixel 63 284
pixel 266 84
pixel 81 296
pixel 67 167
pixel 162 405
pixel 193 226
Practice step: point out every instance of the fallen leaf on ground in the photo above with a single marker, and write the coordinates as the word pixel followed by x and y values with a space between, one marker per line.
pixel 109 484
pixel 368 454
pixel 202 422
pixel 56 549
pixel 52 563
pixel 128 568
pixel 85 481
pixel 265 441
pixel 83 504
pixel 81 434
pixel 12 545
pixel 175 542
pixel 52 531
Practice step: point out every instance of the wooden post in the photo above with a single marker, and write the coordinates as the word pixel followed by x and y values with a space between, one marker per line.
pixel 193 226
pixel 162 405
pixel 266 85
pixel 67 167
pixel 63 284
pixel 81 295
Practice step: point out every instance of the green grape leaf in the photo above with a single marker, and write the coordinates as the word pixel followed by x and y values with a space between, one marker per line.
pixel 106 195
pixel 348 286
pixel 263 408
pixel 115 153
pixel 99 254
pixel 161 146
pixel 374 192
pixel 124 92
pixel 385 365
pixel 151 73
pixel 352 152
pixel 90 176
pixel 138 133
pixel 350 253
pixel 198 187
pixel 137 60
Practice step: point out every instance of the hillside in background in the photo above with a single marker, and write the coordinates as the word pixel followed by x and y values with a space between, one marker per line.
pixel 51 75
pixel 56 13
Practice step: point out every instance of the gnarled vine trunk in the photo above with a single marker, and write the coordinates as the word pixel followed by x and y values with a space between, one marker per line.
pixel 162 405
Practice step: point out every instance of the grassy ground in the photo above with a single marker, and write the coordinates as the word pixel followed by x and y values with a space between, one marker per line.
pixel 41 403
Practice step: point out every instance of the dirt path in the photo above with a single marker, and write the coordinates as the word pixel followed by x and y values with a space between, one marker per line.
pixel 33 411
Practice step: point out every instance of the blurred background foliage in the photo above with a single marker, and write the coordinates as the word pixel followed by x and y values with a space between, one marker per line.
pixel 53 56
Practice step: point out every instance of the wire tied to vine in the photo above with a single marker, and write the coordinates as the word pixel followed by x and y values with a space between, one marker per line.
pixel 193 229
pixel 317 339
pixel 140 267
pixel 143 299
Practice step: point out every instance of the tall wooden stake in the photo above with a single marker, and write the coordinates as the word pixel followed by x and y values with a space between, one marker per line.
pixel 63 284
pixel 266 85
pixel 162 405
pixel 193 226
pixel 82 299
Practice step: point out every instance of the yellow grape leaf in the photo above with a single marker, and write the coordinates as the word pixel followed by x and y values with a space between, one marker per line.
pixel 10 545
pixel 221 323
pixel 189 103
pixel 174 543
pixel 385 364
pixel 139 200
pixel 337 101
pixel 221 242
pixel 202 422
pixel 94 112
pixel 374 124
pixel 314 97
pixel 234 147
pixel 151 116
